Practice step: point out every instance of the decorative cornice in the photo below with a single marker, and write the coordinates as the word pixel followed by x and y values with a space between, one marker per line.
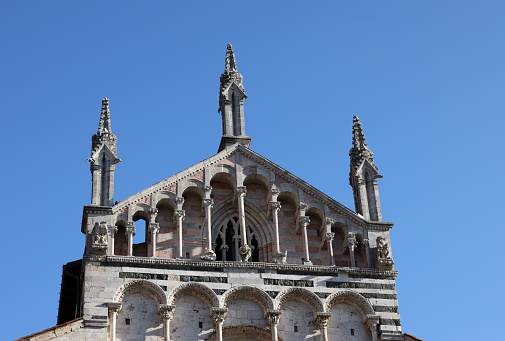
pixel 169 262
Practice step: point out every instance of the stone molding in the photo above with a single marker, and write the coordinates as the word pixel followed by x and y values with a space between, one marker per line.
pixel 249 293
pixel 141 286
pixel 352 298
pixel 237 265
pixel 195 289
pixel 300 294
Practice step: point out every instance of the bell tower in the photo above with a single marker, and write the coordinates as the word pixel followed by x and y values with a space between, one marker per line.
pixel 231 104
pixel 103 160
pixel 363 176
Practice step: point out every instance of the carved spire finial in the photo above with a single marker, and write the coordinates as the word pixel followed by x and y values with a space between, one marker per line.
pixel 359 150
pixel 104 124
pixel 231 103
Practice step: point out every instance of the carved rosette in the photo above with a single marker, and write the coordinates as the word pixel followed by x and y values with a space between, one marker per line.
pixel 166 311
pixel 245 252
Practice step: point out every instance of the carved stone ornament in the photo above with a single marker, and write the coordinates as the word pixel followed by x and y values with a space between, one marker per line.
pixel 219 314
pixel 207 188
pixel 241 191
pixel 114 307
pixel 130 228
pixel 280 257
pixel 179 214
pixel 372 321
pixel 351 241
pixel 304 221
pixel 275 205
pixel 329 236
pixel 166 311
pixel 382 248
pixel 322 319
pixel 208 255
pixel 224 248
pixel 113 230
pixel 208 203
pixel 179 200
pixel 99 239
pixel 245 252
pixel 154 227
pixel 273 316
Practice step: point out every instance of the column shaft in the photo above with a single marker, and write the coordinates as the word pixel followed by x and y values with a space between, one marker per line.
pixel 113 326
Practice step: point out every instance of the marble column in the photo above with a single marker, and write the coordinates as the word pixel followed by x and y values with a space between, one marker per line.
pixel 329 239
pixel 273 319
pixel 166 312
pixel 179 217
pixel 322 322
pixel 218 315
pixel 154 228
pixel 114 308
pixel 130 232
pixel 245 250
pixel 304 222
pixel 366 243
pixel 373 324
pixel 208 253
pixel 351 243
pixel 278 256
pixel 112 231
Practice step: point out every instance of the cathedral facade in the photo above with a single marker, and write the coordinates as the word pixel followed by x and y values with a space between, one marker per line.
pixel 236 248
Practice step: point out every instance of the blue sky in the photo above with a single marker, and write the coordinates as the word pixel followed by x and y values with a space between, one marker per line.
pixel 425 77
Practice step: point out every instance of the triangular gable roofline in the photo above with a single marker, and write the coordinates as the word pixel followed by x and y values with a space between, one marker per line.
pixel 99 150
pixel 228 86
pixel 370 164
pixel 289 177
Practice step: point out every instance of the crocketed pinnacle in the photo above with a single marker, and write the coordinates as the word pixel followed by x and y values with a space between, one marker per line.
pixel 104 134
pixel 359 151
pixel 104 124
pixel 230 75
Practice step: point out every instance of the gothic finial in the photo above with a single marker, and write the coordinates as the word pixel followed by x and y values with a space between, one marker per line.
pixel 104 124
pixel 359 150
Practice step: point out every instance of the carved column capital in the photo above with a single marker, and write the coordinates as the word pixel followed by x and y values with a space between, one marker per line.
pixel 154 227
pixel 351 241
pixel 207 188
pixel 114 307
pixel 130 228
pixel 304 221
pixel 179 214
pixel 303 207
pixel 329 236
pixel 113 230
pixel 329 222
pixel 153 210
pixel 241 191
pixel 373 322
pixel 166 311
pixel 322 319
pixel 275 205
pixel 273 316
pixel 208 203
pixel 366 242
pixel 219 314
pixel 179 200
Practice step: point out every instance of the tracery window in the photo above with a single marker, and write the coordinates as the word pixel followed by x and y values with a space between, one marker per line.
pixel 228 241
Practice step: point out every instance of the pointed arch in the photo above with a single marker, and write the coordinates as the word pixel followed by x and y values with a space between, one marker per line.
pixel 352 298
pixel 248 293
pixel 303 295
pixel 141 286
pixel 194 289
